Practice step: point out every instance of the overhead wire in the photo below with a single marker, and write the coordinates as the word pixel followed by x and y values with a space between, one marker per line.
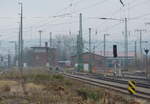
pixel 140 16
pixel 71 4
pixel 71 13
pixel 111 27
pixel 55 24
pixel 135 4
pixel 93 5
pixel 62 15
pixel 89 6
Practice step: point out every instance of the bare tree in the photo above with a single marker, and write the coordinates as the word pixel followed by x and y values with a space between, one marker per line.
pixel 66 46
pixel 28 56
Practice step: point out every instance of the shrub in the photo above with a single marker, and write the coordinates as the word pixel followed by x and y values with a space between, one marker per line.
pixel 83 93
pixel 89 94
pixel 42 77
pixel 58 77
pixel 6 88
pixel 68 83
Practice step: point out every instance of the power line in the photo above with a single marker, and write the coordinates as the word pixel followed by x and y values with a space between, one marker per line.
pixel 71 5
pixel 138 17
pixel 90 6
pixel 78 10
pixel 42 25
pixel 133 6
pixel 111 27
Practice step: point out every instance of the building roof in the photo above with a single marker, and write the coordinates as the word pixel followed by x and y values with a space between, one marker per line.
pixel 41 47
pixel 120 54
pixel 88 54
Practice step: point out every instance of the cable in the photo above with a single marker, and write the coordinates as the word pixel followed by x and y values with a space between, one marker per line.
pixel 90 6
pixel 56 24
pixel 111 27
pixel 8 17
pixel 66 14
pixel 33 25
pixel 138 17
pixel 77 2
pixel 71 5
pixel 134 5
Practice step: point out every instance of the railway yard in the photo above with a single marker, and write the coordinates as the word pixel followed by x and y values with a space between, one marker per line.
pixel 74 52
pixel 48 87
pixel 121 85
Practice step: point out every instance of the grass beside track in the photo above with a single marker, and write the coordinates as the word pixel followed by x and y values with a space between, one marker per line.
pixel 44 87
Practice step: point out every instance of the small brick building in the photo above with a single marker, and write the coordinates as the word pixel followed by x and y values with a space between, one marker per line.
pixel 97 60
pixel 41 56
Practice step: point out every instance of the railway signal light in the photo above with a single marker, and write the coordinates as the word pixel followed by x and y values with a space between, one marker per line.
pixel 147 71
pixel 115 51
pixel 146 51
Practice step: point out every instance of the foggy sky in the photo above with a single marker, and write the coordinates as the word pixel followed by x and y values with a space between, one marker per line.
pixel 38 15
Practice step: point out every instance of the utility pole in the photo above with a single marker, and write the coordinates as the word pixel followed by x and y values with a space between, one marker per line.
pixel 20 51
pixel 89 40
pixel 90 53
pixel 126 45
pixel 19 47
pixel 50 40
pixel 81 34
pixel 9 59
pixel 40 33
pixel 21 40
pixel 126 41
pixel 78 53
pixel 135 53
pixel 80 45
pixel 16 53
pixel 50 49
pixel 141 52
pixel 47 53
pixel 104 44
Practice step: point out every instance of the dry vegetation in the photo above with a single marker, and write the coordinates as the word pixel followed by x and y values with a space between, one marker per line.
pixel 43 87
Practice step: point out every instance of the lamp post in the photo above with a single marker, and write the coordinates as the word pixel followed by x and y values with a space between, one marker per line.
pixel 40 40
pixel 9 59
pixel 126 39
pixel 90 53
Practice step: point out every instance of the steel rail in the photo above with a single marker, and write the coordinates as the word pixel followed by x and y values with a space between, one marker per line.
pixel 121 80
pixel 116 87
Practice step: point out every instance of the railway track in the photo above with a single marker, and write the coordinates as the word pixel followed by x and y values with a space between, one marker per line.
pixel 139 83
pixel 142 92
pixel 122 80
